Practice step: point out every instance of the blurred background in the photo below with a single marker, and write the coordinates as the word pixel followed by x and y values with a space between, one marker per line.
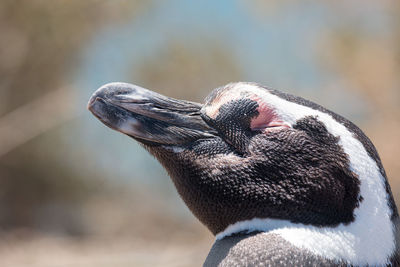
pixel 75 193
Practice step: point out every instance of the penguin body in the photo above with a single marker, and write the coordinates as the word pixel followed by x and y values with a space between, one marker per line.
pixel 278 179
pixel 262 249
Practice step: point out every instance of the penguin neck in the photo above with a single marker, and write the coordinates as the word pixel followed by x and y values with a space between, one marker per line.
pixel 370 238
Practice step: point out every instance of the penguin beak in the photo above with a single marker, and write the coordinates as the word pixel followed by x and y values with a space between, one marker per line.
pixel 147 116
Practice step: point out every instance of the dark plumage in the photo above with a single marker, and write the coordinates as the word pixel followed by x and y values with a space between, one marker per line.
pixel 255 159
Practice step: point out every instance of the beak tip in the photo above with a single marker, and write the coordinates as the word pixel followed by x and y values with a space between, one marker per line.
pixel 104 92
pixel 91 103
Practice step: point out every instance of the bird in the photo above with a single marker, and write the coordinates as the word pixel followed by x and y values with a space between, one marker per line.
pixel 278 179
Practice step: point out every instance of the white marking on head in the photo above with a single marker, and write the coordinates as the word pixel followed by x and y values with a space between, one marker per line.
pixel 264 121
pixel 212 109
pixel 370 238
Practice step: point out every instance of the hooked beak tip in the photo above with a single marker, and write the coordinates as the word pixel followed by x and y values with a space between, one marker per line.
pixel 91 102
pixel 108 91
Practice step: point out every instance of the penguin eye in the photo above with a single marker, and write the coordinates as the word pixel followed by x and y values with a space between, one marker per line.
pixel 233 116
pixel 267 119
pixel 232 121
pixel 238 120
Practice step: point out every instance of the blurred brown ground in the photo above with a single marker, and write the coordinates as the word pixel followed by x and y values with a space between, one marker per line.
pixel 81 218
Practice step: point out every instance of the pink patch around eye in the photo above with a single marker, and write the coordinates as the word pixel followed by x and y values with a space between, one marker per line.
pixel 267 120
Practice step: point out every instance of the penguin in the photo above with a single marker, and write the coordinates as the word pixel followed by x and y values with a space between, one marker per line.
pixel 279 180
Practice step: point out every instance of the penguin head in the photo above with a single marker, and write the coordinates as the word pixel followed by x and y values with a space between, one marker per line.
pixel 248 152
